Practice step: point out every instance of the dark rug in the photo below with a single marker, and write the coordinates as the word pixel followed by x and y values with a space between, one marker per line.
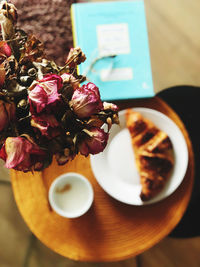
pixel 50 21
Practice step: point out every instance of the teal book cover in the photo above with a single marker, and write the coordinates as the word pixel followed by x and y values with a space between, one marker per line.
pixel 113 35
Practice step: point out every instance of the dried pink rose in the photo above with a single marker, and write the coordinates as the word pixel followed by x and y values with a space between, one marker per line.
pixel 45 94
pixel 22 154
pixel 86 101
pixel 7 114
pixel 46 124
pixel 94 141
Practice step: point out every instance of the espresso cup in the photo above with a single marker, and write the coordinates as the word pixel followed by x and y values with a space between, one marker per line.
pixel 71 195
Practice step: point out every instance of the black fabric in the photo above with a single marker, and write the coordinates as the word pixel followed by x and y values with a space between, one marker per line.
pixel 185 101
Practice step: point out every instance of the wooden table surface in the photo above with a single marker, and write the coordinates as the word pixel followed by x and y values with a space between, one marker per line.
pixel 110 231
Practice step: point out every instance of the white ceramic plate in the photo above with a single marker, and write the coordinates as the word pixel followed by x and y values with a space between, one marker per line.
pixel 115 169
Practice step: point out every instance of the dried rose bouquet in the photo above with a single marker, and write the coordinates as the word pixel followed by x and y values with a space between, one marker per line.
pixel 44 111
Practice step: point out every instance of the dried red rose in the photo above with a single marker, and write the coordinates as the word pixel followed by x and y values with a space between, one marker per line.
pixel 45 94
pixel 93 142
pixel 22 154
pixel 86 101
pixel 46 124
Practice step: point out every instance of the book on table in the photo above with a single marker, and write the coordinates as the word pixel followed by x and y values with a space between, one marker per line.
pixel 114 37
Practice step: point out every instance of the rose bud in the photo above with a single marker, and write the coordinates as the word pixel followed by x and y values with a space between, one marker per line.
pixel 75 57
pixel 9 11
pixel 46 124
pixel 21 154
pixel 64 156
pixel 45 94
pixel 86 101
pixel 92 141
pixel 110 106
pixel 61 158
pixel 7 114
pixel 8 17
pixel 70 79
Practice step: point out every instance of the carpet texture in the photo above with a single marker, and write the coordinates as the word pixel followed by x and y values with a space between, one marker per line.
pixel 50 22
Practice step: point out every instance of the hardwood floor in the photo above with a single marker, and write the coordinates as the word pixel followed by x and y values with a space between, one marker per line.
pixel 174 42
pixel 174 39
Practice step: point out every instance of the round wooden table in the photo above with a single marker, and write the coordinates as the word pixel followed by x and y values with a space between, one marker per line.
pixel 110 231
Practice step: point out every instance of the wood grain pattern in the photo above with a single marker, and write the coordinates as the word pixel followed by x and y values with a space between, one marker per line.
pixel 111 230
pixel 174 42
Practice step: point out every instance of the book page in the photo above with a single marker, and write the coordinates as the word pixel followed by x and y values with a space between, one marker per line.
pixel 113 39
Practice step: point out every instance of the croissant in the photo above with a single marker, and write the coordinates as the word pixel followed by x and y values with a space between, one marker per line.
pixel 153 153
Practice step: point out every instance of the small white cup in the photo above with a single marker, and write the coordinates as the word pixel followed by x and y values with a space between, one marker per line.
pixel 71 195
